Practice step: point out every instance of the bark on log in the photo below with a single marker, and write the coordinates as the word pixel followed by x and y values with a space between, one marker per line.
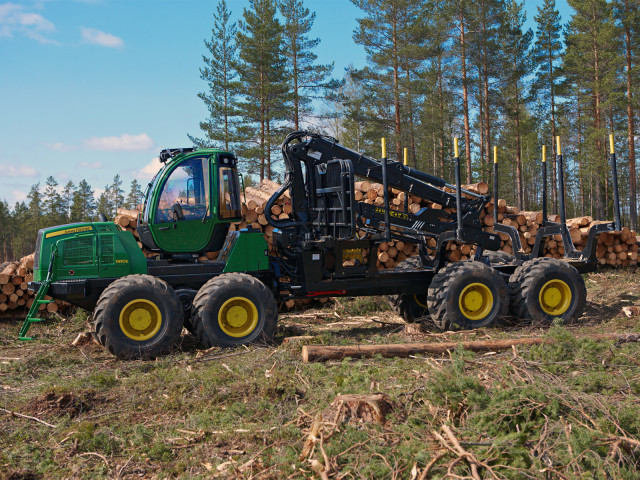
pixel 318 353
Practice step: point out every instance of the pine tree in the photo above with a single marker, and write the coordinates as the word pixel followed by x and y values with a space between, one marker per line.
pixel 67 199
pixel 547 60
pixel 134 198
pixel 380 32
pixel 591 62
pixel 220 75
pixel 103 205
pixel 83 205
pixel 517 49
pixel 53 203
pixel 262 86
pixel 627 14
pixel 6 233
pixel 115 195
pixel 36 216
pixel 306 78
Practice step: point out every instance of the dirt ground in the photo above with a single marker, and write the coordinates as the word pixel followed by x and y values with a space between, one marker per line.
pixel 568 409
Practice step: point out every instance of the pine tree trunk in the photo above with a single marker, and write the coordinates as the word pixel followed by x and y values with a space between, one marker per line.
pixel 465 100
pixel 296 95
pixel 441 101
pixel 262 118
pixel 268 143
pixel 481 105
pixel 519 182
pixel 633 206
pixel 597 123
pixel 396 89
pixel 554 188
pixel 412 136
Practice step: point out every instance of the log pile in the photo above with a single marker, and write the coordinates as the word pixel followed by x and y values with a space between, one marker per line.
pixel 614 248
pixel 14 294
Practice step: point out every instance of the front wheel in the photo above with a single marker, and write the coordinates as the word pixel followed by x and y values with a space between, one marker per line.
pixel 234 309
pixel 467 295
pixel 138 316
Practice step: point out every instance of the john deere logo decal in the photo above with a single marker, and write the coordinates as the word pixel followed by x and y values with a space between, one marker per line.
pixel 67 231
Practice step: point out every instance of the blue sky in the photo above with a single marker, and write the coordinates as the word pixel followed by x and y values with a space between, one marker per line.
pixel 91 88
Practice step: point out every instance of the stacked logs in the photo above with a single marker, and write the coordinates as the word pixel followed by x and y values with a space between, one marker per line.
pixel 614 248
pixel 128 220
pixel 14 293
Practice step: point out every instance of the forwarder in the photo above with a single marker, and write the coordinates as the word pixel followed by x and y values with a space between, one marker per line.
pixel 140 305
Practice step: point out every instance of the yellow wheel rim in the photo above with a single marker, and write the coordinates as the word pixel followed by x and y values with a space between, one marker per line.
pixel 476 301
pixel 555 297
pixel 418 301
pixel 238 317
pixel 140 319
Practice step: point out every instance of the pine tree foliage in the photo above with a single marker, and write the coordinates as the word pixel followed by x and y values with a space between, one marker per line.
pixel 220 75
pixel 263 88
pixel 307 79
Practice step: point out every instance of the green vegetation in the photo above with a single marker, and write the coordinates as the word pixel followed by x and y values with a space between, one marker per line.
pixel 570 409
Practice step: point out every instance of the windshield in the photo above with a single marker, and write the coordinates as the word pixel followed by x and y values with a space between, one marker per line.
pixel 188 187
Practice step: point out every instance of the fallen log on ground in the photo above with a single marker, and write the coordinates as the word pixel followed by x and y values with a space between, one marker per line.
pixel 320 353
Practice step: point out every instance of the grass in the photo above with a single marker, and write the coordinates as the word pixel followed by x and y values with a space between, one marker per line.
pixel 570 409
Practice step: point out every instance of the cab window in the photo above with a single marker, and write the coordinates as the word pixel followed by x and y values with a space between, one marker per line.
pixel 229 199
pixel 185 194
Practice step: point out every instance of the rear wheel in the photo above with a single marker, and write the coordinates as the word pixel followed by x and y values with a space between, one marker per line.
pixel 234 309
pixel 467 295
pixel 546 288
pixel 138 316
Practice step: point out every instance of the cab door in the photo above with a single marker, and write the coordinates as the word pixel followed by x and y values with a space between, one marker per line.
pixel 182 218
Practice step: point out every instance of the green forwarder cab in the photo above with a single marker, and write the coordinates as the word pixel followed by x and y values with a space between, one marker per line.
pixel 140 305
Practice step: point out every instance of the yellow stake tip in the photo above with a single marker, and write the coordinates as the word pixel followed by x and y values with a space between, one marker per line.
pixel 612 147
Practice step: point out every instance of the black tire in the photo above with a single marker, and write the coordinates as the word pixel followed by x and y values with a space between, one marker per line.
pixel 498 258
pixel 412 308
pixel 186 296
pixel 526 286
pixel 207 314
pixel 458 279
pixel 113 315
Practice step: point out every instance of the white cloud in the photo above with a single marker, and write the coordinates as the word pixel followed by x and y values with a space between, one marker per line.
pixel 97 192
pixel 15 18
pixel 102 39
pixel 18 196
pixel 60 147
pixel 17 171
pixel 92 165
pixel 149 170
pixel 124 142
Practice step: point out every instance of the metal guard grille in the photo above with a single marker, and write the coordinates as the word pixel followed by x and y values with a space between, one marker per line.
pixel 106 249
pixel 78 251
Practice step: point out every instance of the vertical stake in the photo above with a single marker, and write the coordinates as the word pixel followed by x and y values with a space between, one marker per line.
pixel 544 185
pixel 385 188
pixel 614 175
pixel 456 159
pixel 495 184
pixel 560 168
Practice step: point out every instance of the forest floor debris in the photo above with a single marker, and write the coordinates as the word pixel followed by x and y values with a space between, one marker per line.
pixel 567 409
